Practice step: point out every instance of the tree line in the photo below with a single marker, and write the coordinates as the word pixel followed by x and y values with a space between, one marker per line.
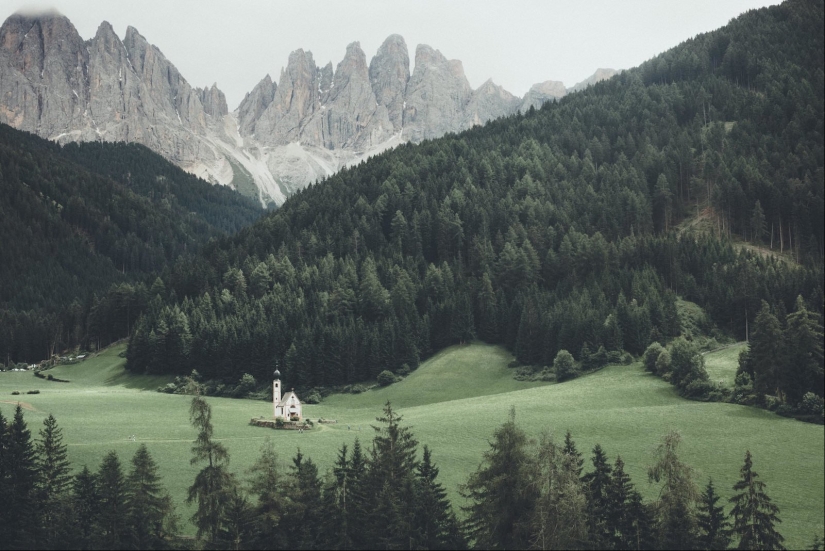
pixel 524 494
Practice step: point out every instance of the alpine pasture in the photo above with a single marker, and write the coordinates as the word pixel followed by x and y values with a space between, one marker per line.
pixel 453 403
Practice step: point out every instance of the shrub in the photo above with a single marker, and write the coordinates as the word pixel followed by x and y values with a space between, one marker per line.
pixel 699 389
pixel 627 358
pixel 279 422
pixel 386 378
pixel 169 388
pixel 405 370
pixel 663 364
pixel 246 384
pixel 811 404
pixel 314 397
pixel 564 366
pixel 33 392
pixel 651 355
pixel 614 357
pixel 15 393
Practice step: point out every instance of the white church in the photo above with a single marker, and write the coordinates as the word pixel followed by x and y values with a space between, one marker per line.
pixel 287 407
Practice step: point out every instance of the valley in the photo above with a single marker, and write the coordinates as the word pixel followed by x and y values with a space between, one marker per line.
pixel 453 402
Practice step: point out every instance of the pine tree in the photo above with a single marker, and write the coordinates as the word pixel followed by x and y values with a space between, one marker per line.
pixel 597 484
pixel 753 513
pixel 573 453
pixel 620 521
pixel 268 484
pixel 86 508
pixel 391 479
pixel 714 528
pixel 303 517
pixel 53 482
pixel 237 520
pixel 214 482
pixel 435 525
pixel 21 476
pixel 5 483
pixel 501 494
pixel 336 505
pixel 803 370
pixel 150 511
pixel 765 351
pixel 113 519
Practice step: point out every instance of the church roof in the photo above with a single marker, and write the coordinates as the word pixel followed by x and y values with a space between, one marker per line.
pixel 286 397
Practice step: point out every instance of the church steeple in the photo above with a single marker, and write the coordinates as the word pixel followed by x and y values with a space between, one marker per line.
pixel 276 390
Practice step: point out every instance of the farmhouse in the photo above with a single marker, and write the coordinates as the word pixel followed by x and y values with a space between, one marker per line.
pixel 288 406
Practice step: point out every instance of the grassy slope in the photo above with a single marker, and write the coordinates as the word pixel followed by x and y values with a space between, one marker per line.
pixel 453 402
pixel 721 364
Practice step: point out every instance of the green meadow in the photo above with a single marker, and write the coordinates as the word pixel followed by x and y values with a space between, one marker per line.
pixel 453 402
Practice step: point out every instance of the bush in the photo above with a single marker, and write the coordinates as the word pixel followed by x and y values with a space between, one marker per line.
pixel 314 397
pixel 651 355
pixel 386 378
pixel 15 393
pixel 405 370
pixel 699 389
pixel 246 384
pixel 614 357
pixel 663 364
pixel 627 358
pixel 279 422
pixel 33 392
pixel 565 366
pixel 169 388
pixel 811 404
pixel 355 389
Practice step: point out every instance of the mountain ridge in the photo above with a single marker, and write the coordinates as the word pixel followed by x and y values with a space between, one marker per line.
pixel 283 135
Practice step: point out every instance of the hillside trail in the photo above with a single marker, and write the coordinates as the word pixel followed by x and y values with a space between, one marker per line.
pixel 25 405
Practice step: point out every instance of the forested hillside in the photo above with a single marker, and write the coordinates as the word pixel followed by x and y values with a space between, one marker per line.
pixel 76 220
pixel 549 231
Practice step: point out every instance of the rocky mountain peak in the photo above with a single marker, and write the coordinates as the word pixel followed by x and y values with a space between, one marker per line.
pixel 542 92
pixel 254 104
pixel 213 101
pixel 389 72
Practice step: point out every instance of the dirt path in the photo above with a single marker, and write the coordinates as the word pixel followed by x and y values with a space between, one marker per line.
pixel 25 405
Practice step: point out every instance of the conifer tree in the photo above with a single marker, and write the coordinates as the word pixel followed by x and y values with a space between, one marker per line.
pixel 620 521
pixel 149 507
pixel 337 505
pixel 5 483
pixel 302 519
pixel 753 513
pixel 112 514
pixel 597 484
pixel 436 526
pixel 237 521
pixel 268 485
pixel 53 482
pixel 765 351
pixel 214 482
pixel 575 455
pixel 803 371
pixel 714 528
pixel 21 476
pixel 86 509
pixel 500 492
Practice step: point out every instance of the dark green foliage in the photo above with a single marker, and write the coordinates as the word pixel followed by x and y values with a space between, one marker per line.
pixel 302 519
pixel 597 485
pixel 651 356
pixel 803 369
pixel 150 512
pixel 53 484
pixel 435 525
pixel 502 499
pixel 81 226
pixel 675 509
pixel 714 528
pixel 214 484
pixel 753 513
pixel 85 502
pixel 20 462
pixel 112 503
pixel 766 351
pixel 543 232
pixel 565 366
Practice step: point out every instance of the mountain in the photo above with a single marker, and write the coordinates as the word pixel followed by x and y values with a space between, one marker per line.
pixel 573 227
pixel 309 124
pixel 598 76
pixel 79 219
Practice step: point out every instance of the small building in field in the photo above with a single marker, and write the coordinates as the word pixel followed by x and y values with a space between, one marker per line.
pixel 287 407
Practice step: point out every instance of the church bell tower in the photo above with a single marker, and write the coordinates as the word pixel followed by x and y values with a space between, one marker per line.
pixel 276 391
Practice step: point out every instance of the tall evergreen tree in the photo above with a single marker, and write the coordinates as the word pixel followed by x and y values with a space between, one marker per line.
pixel 53 483
pixel 597 484
pixel 86 508
pixel 435 525
pixel 803 370
pixel 214 483
pixel 21 475
pixel 501 495
pixel 150 511
pixel 112 514
pixel 714 528
pixel 303 518
pixel 267 483
pixel 766 351
pixel 573 453
pixel 753 513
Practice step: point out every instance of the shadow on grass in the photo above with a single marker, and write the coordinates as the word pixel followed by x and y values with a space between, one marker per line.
pixel 121 377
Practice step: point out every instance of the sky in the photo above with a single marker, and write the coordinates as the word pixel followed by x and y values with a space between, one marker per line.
pixel 517 43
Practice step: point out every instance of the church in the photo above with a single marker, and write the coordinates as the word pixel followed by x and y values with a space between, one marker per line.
pixel 287 407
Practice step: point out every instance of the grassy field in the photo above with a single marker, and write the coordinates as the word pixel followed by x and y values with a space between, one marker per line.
pixel 453 402
pixel 721 364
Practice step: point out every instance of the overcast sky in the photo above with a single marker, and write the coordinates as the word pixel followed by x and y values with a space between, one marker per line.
pixel 517 43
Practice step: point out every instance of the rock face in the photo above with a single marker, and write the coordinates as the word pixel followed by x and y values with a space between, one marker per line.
pixel 548 90
pixel 598 76
pixel 282 136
